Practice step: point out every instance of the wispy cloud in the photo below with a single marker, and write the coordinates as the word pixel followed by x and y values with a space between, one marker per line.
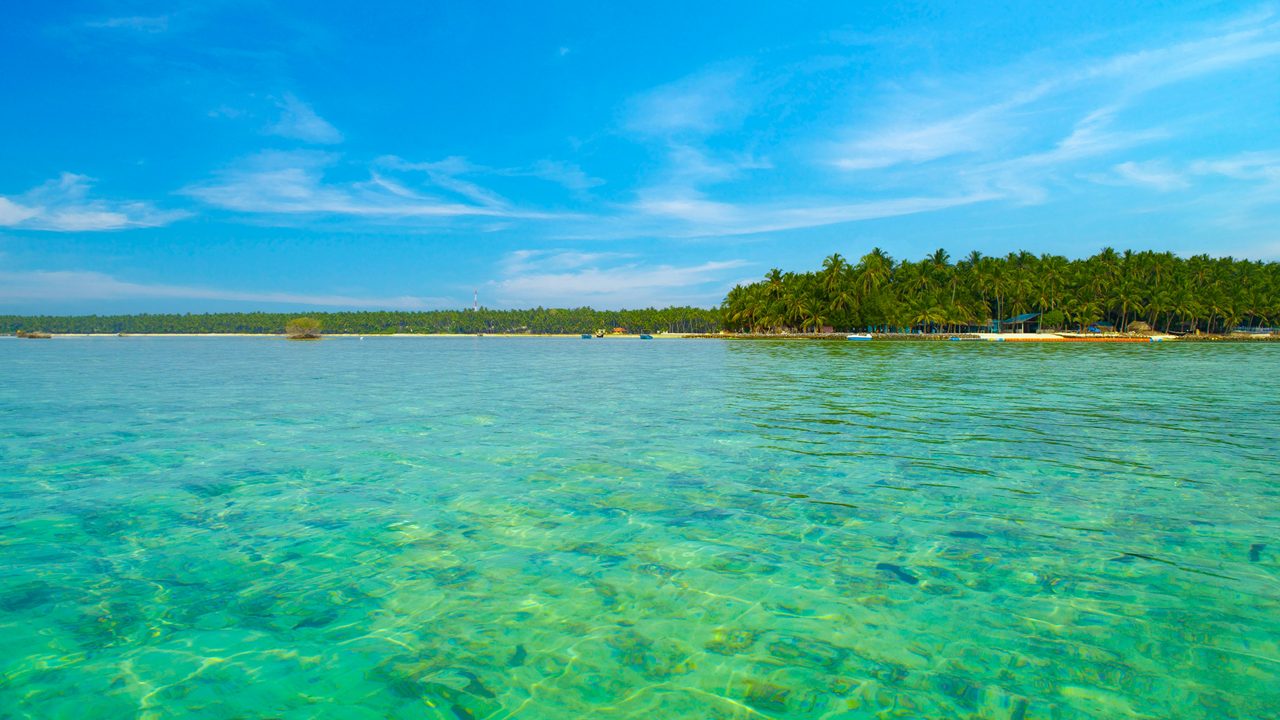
pixel 1252 169
pixel 564 174
pixel 1003 114
pixel 77 285
pixel 695 216
pixel 448 174
pixel 697 104
pixel 1236 44
pixel 1257 166
pixel 1154 174
pixel 136 23
pixel 606 280
pixel 300 122
pixel 293 183
pixel 64 205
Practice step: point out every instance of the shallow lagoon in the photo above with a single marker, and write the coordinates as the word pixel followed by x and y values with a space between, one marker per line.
pixel 547 528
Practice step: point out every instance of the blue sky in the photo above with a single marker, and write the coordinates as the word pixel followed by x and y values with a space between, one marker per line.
pixel 248 155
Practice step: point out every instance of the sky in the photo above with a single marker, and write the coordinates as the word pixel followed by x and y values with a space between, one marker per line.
pixel 216 156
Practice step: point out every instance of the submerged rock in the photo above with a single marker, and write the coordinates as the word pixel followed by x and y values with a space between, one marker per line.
pixel 763 695
pixel 898 572
pixel 730 641
pixel 518 657
pixel 809 652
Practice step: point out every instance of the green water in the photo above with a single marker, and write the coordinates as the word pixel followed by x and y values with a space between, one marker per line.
pixel 524 528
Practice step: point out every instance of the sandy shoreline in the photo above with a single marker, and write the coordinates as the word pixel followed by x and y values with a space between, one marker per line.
pixel 280 336
pixel 985 337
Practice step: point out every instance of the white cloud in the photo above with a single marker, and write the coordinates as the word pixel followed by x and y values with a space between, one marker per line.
pixel 75 285
pixel 906 143
pixel 1149 69
pixel 693 215
pixel 446 175
pixel 573 279
pixel 688 165
pixel 13 214
pixel 698 104
pixel 64 205
pixel 540 261
pixel 300 122
pixel 136 23
pixel 1262 169
pixel 1156 175
pixel 292 183
pixel 1260 166
pixel 1003 112
pixel 567 175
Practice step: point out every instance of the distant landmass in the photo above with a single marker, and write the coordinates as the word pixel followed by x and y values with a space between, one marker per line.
pixel 1108 291
pixel 1111 290
pixel 535 321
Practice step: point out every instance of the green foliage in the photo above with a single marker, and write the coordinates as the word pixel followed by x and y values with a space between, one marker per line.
pixel 303 328
pixel 936 295
pixel 1054 319
pixel 540 320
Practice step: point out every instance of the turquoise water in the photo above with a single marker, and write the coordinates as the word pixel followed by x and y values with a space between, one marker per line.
pixel 545 528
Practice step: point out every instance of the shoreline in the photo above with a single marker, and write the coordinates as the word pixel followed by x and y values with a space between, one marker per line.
pixel 1001 337
pixel 281 336
pixel 828 337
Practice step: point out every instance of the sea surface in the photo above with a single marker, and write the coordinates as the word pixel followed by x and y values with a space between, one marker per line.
pixel 489 527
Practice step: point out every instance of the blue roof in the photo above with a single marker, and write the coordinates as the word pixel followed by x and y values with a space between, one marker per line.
pixel 1023 318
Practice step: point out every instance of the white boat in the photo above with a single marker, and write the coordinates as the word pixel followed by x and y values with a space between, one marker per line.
pixel 858 336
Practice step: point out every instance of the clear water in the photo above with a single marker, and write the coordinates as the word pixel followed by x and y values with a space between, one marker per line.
pixel 494 528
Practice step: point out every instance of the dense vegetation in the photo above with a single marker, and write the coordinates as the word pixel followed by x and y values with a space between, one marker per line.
pixel 537 320
pixel 302 328
pixel 934 294
pixel 877 293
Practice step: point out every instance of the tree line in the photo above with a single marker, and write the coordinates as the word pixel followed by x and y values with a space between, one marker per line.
pixel 1165 291
pixel 535 321
pixel 876 293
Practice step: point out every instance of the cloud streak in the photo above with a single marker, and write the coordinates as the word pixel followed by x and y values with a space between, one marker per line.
pixel 64 205
pixel 77 285
pixel 693 216
pixel 695 105
pixel 1002 111
pixel 136 23
pixel 299 121
pixel 606 280
pixel 295 183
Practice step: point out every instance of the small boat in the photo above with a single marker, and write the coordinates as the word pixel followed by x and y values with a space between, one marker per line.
pixel 858 336
pixel 646 336
pixel 586 336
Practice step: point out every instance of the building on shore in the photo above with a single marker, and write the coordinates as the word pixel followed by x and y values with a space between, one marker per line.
pixel 1024 323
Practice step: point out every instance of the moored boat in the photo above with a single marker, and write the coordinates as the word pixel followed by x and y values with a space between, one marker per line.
pixel 858 336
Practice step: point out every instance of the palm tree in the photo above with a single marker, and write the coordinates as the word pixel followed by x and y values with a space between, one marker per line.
pixel 833 268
